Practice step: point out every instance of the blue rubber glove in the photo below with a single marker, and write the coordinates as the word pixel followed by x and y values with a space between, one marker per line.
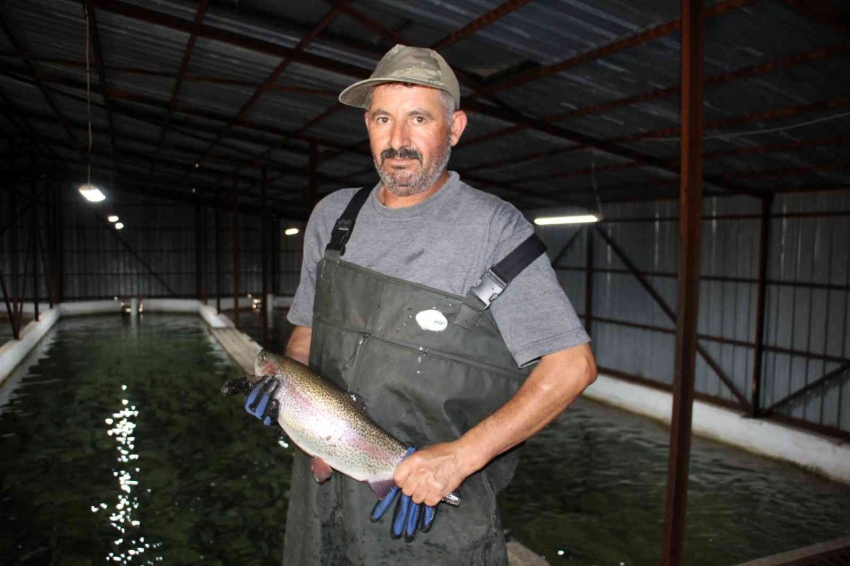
pixel 407 514
pixel 261 403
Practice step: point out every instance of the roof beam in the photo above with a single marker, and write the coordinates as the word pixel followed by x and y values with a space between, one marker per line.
pixel 822 12
pixel 36 74
pixel 752 150
pixel 272 78
pixel 612 48
pixel 98 58
pixel 719 79
pixel 184 65
pixel 479 23
pixel 672 131
pixel 509 114
pixel 232 38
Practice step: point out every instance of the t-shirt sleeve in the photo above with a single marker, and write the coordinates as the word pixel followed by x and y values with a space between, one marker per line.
pixel 316 237
pixel 534 315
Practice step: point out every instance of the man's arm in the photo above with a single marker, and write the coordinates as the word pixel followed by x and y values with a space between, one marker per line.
pixel 433 472
pixel 298 347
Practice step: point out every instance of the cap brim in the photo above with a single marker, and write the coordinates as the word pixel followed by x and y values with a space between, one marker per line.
pixel 356 94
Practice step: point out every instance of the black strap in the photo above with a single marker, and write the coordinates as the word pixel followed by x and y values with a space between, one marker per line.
pixel 345 224
pixel 496 279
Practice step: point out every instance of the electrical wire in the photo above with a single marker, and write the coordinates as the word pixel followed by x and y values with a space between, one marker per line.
pixel 757 132
pixel 88 94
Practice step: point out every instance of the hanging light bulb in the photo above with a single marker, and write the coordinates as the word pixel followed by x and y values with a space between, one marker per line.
pixel 112 218
pixel 119 225
pixel 91 193
pixel 291 231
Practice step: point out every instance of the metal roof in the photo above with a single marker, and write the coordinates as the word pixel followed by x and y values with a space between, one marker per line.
pixel 233 85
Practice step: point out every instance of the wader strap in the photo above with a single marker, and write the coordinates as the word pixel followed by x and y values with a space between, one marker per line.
pixel 345 225
pixel 498 277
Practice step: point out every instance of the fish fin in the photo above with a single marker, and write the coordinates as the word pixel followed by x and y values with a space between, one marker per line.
pixel 382 487
pixel 359 402
pixel 321 470
pixel 239 385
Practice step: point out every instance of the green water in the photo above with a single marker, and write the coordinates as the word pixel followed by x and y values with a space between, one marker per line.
pixel 199 482
pixel 118 442
pixel 591 489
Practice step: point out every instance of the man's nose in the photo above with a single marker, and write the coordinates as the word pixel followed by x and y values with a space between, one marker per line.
pixel 400 136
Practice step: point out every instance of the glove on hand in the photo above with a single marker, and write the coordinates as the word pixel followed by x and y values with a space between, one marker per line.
pixel 407 514
pixel 261 403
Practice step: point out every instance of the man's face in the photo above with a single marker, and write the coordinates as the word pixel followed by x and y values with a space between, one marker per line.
pixel 410 138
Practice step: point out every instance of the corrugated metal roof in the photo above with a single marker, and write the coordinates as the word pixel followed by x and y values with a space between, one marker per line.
pixel 143 58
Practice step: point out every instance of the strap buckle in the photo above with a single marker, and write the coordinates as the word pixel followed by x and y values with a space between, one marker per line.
pixel 488 288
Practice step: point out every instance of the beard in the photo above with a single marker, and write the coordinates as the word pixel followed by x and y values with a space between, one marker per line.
pixel 404 183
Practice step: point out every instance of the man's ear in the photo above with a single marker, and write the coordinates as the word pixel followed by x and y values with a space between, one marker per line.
pixel 366 118
pixel 458 126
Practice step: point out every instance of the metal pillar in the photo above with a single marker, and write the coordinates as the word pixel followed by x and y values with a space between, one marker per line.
pixel 689 271
pixel 275 267
pixel 264 229
pixel 199 274
pixel 234 242
pixel 217 252
pixel 764 250
pixel 35 236
pixel 588 283
pixel 60 246
pixel 14 315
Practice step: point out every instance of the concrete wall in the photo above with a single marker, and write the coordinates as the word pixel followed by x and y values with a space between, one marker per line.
pixel 824 455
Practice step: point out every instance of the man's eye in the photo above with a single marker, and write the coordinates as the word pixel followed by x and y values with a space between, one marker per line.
pixel 420 119
pixel 383 120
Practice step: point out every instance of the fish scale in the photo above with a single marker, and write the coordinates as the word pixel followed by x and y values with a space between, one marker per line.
pixel 326 423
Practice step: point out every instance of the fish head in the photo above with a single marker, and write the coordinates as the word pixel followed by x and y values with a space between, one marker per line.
pixel 268 363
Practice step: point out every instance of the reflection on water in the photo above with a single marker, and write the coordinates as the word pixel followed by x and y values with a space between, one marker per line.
pixel 117 445
pixel 131 544
pixel 164 471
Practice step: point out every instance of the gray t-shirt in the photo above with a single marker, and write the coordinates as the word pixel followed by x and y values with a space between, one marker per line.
pixel 447 242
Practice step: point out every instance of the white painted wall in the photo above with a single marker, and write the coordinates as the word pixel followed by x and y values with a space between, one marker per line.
pixel 824 455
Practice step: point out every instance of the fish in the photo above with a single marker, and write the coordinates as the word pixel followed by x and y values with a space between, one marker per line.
pixel 328 424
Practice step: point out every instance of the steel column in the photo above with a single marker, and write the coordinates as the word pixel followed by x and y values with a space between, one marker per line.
pixel 60 243
pixel 234 244
pixel 264 230
pixel 588 283
pixel 689 272
pixel 761 290
pixel 217 252
pixel 198 254
pixel 14 315
pixel 275 237
pixel 35 236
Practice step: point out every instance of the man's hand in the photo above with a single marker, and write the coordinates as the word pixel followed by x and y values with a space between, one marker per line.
pixel 431 473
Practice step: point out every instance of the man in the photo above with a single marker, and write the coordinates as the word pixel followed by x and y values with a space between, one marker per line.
pixel 383 309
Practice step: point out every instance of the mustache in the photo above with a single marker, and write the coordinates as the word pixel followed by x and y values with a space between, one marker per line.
pixel 403 153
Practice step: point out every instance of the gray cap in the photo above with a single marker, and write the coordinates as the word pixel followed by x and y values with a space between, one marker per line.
pixel 403 64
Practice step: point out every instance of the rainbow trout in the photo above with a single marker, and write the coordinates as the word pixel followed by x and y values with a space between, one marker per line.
pixel 328 424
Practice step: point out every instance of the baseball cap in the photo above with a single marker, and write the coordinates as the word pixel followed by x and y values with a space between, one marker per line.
pixel 405 64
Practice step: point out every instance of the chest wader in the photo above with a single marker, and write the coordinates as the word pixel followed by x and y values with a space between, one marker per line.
pixel 421 386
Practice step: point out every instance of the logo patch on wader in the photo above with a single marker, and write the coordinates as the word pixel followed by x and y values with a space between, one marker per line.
pixel 432 320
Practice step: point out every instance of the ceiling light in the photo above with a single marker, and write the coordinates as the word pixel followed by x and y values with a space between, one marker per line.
pixel 574 219
pixel 291 231
pixel 119 225
pixel 112 218
pixel 92 193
